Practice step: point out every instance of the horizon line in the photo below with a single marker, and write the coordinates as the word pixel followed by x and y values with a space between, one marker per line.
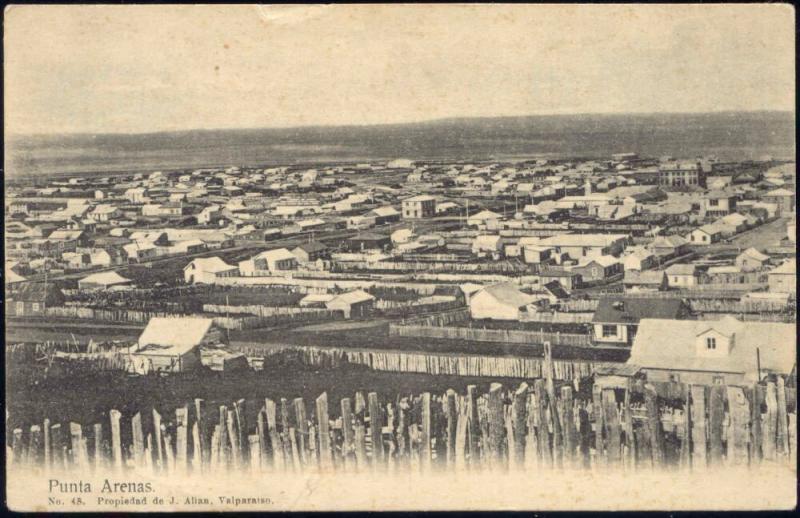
pixel 10 134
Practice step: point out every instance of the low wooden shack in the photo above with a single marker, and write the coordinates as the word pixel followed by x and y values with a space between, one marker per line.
pixel 172 344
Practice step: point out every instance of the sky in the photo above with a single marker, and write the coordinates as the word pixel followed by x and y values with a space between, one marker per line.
pixel 143 68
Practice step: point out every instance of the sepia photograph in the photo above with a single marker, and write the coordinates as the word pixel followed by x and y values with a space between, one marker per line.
pixel 400 257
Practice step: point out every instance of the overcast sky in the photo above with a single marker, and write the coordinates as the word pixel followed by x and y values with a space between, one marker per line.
pixel 150 68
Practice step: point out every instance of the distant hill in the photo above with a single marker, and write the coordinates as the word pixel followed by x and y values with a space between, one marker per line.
pixel 729 135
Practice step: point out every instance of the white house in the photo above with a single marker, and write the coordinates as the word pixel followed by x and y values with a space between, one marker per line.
pixel 206 270
pixel 172 344
pixel 500 302
pixel 726 351
pixel 279 259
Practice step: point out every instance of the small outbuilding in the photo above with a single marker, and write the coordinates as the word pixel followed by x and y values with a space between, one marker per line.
pixel 172 344
pixel 103 281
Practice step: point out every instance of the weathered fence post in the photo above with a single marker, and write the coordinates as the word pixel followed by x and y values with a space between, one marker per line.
pixel 375 429
pixel 716 416
pixel 698 417
pixel 348 448
pixel 138 440
pixel 323 426
pixel 116 446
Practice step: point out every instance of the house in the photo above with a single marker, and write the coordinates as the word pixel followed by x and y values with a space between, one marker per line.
pixel 316 300
pixel 681 276
pixel 367 241
pixel 172 344
pixel 713 352
pixel 669 246
pixel 33 298
pixel 714 204
pixel 679 174
pixel 421 206
pixel 577 246
pixel 361 222
pixel 104 258
pixel 639 260
pixel 136 195
pixel 139 251
pixel 103 281
pixel 279 259
pixel 750 260
pixel 636 281
pixel 499 302
pixel 783 279
pixel 706 235
pixel 616 319
pixel 68 240
pixel 735 223
pixel 535 254
pixel 356 303
pixel 310 252
pixel 484 217
pixel 783 198
pixel 206 270
pixel 488 245
pixel 600 268
pixel 570 280
pixel 105 213
pixel 384 215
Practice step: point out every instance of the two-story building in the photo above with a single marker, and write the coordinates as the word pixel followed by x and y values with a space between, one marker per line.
pixel 417 207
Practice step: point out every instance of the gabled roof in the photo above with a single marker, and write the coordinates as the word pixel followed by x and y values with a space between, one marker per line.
pixel 754 254
pixel 105 278
pixel 385 211
pixel 421 197
pixel 603 260
pixel 211 265
pixel 556 289
pixel 278 254
pixel 314 246
pixel 629 310
pixel 671 345
pixel 174 335
pixel 681 269
pixel 672 241
pixel 509 294
pixel 352 297
pixel 485 214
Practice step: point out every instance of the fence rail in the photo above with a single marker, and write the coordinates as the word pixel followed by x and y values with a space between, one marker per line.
pixel 490 335
pixel 529 427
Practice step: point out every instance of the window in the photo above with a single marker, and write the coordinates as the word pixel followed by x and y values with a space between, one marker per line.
pixel 713 203
pixel 609 331
pixel 719 380
pixel 35 306
pixel 674 378
pixel 711 343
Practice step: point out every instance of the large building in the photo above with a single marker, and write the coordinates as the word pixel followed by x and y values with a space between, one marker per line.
pixel 421 206
pixel 679 174
pixel 726 351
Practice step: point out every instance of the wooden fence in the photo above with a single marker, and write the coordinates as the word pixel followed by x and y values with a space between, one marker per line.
pixel 558 317
pixel 262 311
pixel 237 323
pixel 740 306
pixel 453 364
pixel 490 335
pixel 528 427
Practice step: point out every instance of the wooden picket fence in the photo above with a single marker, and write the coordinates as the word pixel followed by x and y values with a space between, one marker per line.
pixel 523 428
pixel 490 335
